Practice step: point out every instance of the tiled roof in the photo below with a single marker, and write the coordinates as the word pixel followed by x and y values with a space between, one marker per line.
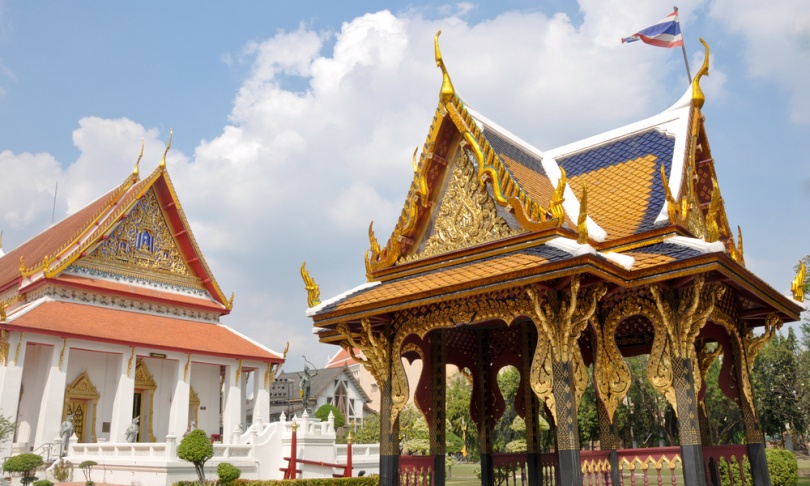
pixel 625 190
pixel 660 253
pixel 87 322
pixel 51 240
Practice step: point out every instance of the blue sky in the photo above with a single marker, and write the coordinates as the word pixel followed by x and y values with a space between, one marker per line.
pixel 294 122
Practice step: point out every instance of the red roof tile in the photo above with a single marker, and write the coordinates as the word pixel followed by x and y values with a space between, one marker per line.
pixel 136 329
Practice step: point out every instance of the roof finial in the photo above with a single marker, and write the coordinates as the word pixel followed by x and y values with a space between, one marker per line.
pixel 697 94
pixel 313 291
pixel 137 162
pixel 797 286
pixel 740 253
pixel 555 206
pixel 582 221
pixel 163 161
pixel 447 92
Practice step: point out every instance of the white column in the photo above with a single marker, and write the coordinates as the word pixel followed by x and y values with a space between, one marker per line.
pixel 10 381
pixel 232 408
pixel 53 397
pixel 261 398
pixel 178 412
pixel 124 394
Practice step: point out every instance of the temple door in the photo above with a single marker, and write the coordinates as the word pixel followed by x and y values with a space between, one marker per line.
pixel 81 400
pixel 77 408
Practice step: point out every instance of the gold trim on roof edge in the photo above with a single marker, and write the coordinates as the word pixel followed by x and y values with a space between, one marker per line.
pixel 505 189
pixel 797 286
pixel 698 98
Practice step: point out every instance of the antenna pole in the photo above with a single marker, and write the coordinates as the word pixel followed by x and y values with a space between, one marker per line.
pixel 683 47
pixel 55 191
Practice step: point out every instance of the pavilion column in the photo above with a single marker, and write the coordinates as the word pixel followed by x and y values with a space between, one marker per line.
pixel 53 396
pixel 609 439
pixel 683 379
pixel 438 412
pixel 683 313
pixel 744 351
pixel 389 435
pixel 558 373
pixel 178 412
pixel 124 393
pixel 482 394
pixel 261 394
pixel 11 372
pixel 531 407
pixel 232 408
pixel 567 429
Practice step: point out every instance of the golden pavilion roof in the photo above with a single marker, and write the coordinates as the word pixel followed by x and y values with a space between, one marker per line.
pixel 487 211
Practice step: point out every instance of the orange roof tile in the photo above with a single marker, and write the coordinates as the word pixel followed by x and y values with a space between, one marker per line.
pixel 489 269
pixel 618 195
pixel 69 319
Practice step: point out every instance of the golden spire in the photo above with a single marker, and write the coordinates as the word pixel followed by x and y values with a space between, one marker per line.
pixel 137 162
pixel 797 286
pixel 582 221
pixel 447 92
pixel 163 160
pixel 697 94
pixel 286 348
pixel 740 254
pixel 556 206
pixel 313 291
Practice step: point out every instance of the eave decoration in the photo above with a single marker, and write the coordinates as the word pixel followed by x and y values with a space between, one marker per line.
pixel 313 290
pixel 797 286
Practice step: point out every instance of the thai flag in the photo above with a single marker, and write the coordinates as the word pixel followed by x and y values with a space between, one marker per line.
pixel 666 33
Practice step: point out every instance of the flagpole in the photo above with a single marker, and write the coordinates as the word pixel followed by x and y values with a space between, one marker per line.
pixel 683 48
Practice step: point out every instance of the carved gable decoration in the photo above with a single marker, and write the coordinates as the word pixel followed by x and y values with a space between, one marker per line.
pixel 466 216
pixel 143 378
pixel 143 245
pixel 82 388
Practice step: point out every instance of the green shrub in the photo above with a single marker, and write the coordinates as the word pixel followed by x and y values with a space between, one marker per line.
pixel 87 469
pixel 722 469
pixel 323 414
pixel 747 471
pixel 24 464
pixel 43 482
pixel 782 466
pixel 62 469
pixel 196 448
pixel 228 473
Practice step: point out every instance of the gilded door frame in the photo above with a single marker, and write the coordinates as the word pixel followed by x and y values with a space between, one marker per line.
pixel 82 389
pixel 144 381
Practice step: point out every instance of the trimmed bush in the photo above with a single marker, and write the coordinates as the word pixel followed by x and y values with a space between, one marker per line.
pixel 782 466
pixel 323 414
pixel 43 482
pixel 25 464
pixel 196 448
pixel 228 473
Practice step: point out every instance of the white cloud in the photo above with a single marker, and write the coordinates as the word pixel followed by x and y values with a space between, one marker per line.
pixel 776 44
pixel 26 198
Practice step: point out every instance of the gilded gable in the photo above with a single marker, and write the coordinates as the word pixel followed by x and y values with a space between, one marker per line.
pixel 142 245
pixel 466 216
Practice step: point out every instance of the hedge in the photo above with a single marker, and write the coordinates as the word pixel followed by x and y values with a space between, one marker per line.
pixel 361 481
pixel 783 467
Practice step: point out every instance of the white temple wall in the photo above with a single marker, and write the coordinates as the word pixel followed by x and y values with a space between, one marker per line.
pixel 34 376
pixel 163 372
pixel 205 381
pixel 103 370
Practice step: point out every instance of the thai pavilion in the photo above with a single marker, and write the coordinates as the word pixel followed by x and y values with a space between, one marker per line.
pixel 552 261
pixel 113 314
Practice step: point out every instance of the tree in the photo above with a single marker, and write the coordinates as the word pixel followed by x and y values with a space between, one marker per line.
pixel 459 391
pixel 196 448
pixel 508 383
pixel 25 464
pixel 369 431
pixel 726 424
pixel 323 414
pixel 6 428
pixel 87 469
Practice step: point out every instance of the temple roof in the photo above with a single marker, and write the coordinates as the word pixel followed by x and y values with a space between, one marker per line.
pixel 135 240
pixel 487 211
pixel 125 327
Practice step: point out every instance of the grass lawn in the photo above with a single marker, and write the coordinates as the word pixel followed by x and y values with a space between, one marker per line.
pixel 804 472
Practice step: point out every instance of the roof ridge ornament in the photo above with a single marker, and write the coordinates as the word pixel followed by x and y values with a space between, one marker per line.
pixel 447 92
pixel 163 160
pixel 555 206
pixel 797 286
pixel 136 170
pixel 582 221
pixel 698 98
pixel 313 291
